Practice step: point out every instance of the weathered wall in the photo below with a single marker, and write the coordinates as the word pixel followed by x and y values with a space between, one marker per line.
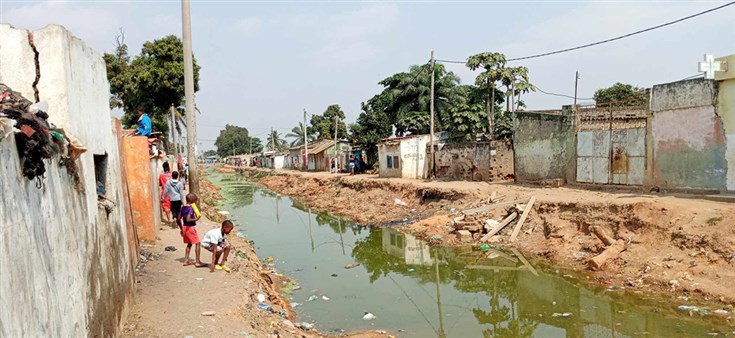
pixel 385 150
pixel 475 161
pixel 623 149
pixel 142 195
pixel 544 146
pixel 726 109
pixel 65 263
pixel 413 156
pixel 687 136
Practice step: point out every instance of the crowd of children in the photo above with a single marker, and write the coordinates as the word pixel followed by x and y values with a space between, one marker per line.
pixel 186 216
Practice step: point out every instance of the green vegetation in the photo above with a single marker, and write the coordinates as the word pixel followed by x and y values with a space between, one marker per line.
pixel 621 94
pixel 234 140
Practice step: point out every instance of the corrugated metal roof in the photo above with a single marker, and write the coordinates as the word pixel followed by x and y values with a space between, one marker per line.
pixel 320 146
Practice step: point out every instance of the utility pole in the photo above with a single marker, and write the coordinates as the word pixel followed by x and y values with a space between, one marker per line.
pixel 336 155
pixel 251 144
pixel 306 146
pixel 173 131
pixel 191 128
pixel 576 82
pixel 273 143
pixel 431 108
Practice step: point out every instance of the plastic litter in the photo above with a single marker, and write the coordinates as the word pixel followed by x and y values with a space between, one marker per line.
pixel 352 265
pixel 170 248
pixel 484 247
pixel 411 269
pixel 266 307
pixel 334 275
pixel 261 298
pixel 294 305
pixel 693 309
pixel 208 313
pixel 305 326
pixel 564 314
pixel 398 201
pixel 312 298
pixel 325 298
pixel 368 316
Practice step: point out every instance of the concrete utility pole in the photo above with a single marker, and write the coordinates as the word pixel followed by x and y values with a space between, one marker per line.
pixel 431 108
pixel 306 146
pixel 173 131
pixel 273 142
pixel 336 155
pixel 191 128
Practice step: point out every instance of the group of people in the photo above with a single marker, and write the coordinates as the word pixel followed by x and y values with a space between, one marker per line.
pixel 185 213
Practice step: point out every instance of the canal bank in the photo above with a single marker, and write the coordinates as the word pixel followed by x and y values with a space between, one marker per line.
pixel 676 245
pixel 345 269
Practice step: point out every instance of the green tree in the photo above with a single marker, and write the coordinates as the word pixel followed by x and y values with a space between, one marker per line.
pixel 297 135
pixel 621 94
pixel 323 126
pixel 152 81
pixel 209 153
pixel 515 80
pixel 492 65
pixel 275 142
pixel 407 96
pixel 370 128
pixel 236 140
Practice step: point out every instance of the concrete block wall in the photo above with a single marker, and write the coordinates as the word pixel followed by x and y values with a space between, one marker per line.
pixel 688 137
pixel 65 262
pixel 475 161
pixel 544 146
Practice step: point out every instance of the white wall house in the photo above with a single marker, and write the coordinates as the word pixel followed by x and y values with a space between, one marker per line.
pixel 404 156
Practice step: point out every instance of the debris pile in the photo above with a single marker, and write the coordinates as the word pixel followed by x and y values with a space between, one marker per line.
pixel 485 223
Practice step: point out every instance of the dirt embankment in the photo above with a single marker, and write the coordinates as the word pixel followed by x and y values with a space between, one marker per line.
pixel 679 245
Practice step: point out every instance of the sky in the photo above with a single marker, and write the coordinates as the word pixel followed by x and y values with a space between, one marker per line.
pixel 264 62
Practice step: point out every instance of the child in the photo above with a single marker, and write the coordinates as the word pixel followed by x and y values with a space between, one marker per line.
pixel 162 179
pixel 174 191
pixel 189 229
pixel 215 241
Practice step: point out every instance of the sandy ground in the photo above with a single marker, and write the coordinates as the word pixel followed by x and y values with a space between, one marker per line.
pixel 171 299
pixel 676 246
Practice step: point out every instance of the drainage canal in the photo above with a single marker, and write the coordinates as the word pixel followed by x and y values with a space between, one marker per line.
pixel 417 291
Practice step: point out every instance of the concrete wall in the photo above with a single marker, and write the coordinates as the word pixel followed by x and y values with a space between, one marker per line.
pixel 688 136
pixel 65 263
pixel 385 150
pixel 544 146
pixel 627 147
pixel 475 161
pixel 413 156
pixel 726 110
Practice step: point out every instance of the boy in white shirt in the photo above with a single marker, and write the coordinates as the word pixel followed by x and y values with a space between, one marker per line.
pixel 215 241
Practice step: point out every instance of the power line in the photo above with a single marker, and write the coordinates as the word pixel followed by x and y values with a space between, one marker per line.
pixel 611 39
pixel 563 95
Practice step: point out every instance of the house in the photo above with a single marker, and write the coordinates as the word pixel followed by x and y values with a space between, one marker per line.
pixel 273 159
pixel 321 154
pixel 295 159
pixel 404 156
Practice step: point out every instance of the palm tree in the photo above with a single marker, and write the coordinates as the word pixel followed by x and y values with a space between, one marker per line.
pixel 493 65
pixel 275 142
pixel 297 134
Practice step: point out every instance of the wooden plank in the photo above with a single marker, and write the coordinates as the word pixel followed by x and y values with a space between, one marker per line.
pixel 488 267
pixel 499 227
pixel 501 254
pixel 518 227
pixel 489 207
pixel 524 261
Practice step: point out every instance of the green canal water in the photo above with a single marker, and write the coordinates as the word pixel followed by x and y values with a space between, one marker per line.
pixel 417 291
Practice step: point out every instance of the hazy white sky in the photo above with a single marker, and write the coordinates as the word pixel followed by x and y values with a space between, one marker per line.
pixel 264 62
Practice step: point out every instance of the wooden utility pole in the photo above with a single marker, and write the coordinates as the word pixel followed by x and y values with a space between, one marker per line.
pixel 431 109
pixel 306 146
pixel 191 127
pixel 273 143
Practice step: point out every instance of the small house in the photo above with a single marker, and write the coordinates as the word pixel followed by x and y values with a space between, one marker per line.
pixel 404 156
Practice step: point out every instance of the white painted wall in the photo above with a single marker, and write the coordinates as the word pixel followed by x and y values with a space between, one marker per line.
pixel 383 152
pixel 413 157
pixel 64 262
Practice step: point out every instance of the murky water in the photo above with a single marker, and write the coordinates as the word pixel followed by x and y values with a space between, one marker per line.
pixel 417 291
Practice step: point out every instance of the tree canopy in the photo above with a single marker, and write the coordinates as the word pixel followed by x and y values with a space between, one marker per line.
pixel 620 93
pixel 234 140
pixel 297 135
pixel 152 81
pixel 275 142
pixel 323 126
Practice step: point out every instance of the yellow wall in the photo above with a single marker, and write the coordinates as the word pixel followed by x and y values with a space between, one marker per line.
pixel 726 109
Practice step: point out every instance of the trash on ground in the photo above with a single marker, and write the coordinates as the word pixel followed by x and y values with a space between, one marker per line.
pixel 564 314
pixel 411 269
pixel 305 326
pixel 199 278
pixel 484 247
pixel 368 316
pixel 352 265
pixel 170 248
pixel 294 304
pixel 398 201
pixel 266 307
pixel 261 298
pixel 223 212
pixel 208 313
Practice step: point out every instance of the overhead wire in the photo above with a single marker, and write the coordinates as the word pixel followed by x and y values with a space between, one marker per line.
pixel 611 39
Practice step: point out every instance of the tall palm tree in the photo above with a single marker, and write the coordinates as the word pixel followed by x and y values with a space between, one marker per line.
pixel 297 134
pixel 275 142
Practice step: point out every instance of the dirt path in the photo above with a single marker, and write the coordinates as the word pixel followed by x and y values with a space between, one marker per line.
pixel 171 299
pixel 674 244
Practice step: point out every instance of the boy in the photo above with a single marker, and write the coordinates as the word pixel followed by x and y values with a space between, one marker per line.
pixel 189 229
pixel 174 191
pixel 215 241
pixel 162 180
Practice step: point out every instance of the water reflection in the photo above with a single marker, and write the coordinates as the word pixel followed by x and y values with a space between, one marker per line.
pixel 446 292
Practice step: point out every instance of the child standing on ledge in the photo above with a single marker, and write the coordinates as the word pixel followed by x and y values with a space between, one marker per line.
pixel 189 230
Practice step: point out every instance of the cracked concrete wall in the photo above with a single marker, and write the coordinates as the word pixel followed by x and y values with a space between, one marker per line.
pixel 65 262
pixel 544 146
pixel 688 136
pixel 476 161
